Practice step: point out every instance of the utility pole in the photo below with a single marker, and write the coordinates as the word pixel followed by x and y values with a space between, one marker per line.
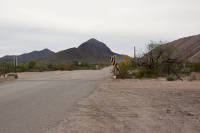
pixel 134 53
pixel 15 63
pixel 4 71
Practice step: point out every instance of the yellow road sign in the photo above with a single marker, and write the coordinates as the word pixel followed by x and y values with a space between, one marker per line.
pixel 112 60
pixel 126 58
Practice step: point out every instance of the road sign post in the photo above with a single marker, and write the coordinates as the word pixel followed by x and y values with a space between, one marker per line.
pixel 114 63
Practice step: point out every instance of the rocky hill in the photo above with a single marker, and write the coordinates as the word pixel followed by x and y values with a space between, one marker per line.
pixel 188 48
pixel 28 56
pixel 91 51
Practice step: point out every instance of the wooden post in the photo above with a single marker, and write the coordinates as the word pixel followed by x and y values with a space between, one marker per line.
pixel 4 70
pixel 115 74
pixel 15 63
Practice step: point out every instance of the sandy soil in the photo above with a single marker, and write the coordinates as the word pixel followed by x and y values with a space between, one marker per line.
pixel 137 106
pixel 2 79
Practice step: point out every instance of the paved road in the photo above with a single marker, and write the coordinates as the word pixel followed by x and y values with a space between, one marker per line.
pixel 37 101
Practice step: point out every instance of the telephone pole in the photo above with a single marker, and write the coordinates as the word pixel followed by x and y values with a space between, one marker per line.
pixel 15 63
pixel 134 53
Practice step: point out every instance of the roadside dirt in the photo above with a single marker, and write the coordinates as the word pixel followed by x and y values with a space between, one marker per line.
pixel 137 106
pixel 2 79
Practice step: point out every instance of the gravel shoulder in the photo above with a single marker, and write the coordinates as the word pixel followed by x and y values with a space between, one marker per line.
pixel 139 106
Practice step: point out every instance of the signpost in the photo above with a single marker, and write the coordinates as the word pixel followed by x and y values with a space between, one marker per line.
pixel 112 60
pixel 126 58
pixel 114 63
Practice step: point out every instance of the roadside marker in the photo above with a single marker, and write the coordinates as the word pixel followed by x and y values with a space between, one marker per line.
pixel 114 63
pixel 112 60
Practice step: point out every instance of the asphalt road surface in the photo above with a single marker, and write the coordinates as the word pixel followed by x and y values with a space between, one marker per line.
pixel 38 101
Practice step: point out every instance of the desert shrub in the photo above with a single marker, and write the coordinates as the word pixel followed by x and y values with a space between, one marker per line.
pixel 171 78
pixel 52 67
pixel 139 75
pixel 186 71
pixel 13 75
pixel 197 67
pixel 68 66
pixel 194 67
pixel 42 67
pixel 146 72
pixel 124 71
pixel 23 67
pixel 31 64
pixel 192 77
pixel 132 64
pixel 7 67
pixel 150 73
pixel 75 63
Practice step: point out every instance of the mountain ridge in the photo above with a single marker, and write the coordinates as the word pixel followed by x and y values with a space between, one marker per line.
pixel 94 51
pixel 34 55
pixel 91 51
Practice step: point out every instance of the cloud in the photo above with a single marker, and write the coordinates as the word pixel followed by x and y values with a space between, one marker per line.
pixel 60 24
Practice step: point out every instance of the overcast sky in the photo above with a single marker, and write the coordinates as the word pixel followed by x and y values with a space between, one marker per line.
pixel 27 25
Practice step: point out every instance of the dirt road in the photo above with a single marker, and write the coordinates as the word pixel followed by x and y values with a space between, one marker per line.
pixel 137 106
pixel 38 101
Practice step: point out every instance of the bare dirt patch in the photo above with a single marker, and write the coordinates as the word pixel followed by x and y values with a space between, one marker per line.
pixel 2 79
pixel 139 106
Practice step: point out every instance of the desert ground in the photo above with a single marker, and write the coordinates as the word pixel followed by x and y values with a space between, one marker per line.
pixel 91 101
pixel 137 106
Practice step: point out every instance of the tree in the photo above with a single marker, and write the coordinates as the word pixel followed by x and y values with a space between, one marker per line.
pixel 31 64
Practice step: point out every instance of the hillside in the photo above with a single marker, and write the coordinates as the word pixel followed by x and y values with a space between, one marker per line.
pixel 91 51
pixel 28 56
pixel 188 48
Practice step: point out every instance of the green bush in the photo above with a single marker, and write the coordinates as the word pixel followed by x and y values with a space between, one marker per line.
pixel 146 72
pixel 22 67
pixel 124 72
pixel 194 67
pixel 31 64
pixel 139 75
pixel 171 78
pixel 13 75
pixel 68 66
pixel 186 71
pixel 150 73
pixel 52 67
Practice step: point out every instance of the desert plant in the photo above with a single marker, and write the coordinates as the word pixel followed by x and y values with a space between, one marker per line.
pixel 171 78
pixel 139 75
pixel 31 64
pixel 194 67
pixel 22 67
pixel 68 66
pixel 123 71
pixel 13 75
pixel 192 77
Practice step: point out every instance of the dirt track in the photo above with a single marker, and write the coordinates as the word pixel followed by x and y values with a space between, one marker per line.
pixel 137 106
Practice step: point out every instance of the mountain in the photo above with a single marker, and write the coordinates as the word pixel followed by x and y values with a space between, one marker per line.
pixel 92 51
pixel 28 56
pixel 188 48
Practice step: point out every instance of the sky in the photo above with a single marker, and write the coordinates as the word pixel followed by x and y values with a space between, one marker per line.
pixel 27 25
